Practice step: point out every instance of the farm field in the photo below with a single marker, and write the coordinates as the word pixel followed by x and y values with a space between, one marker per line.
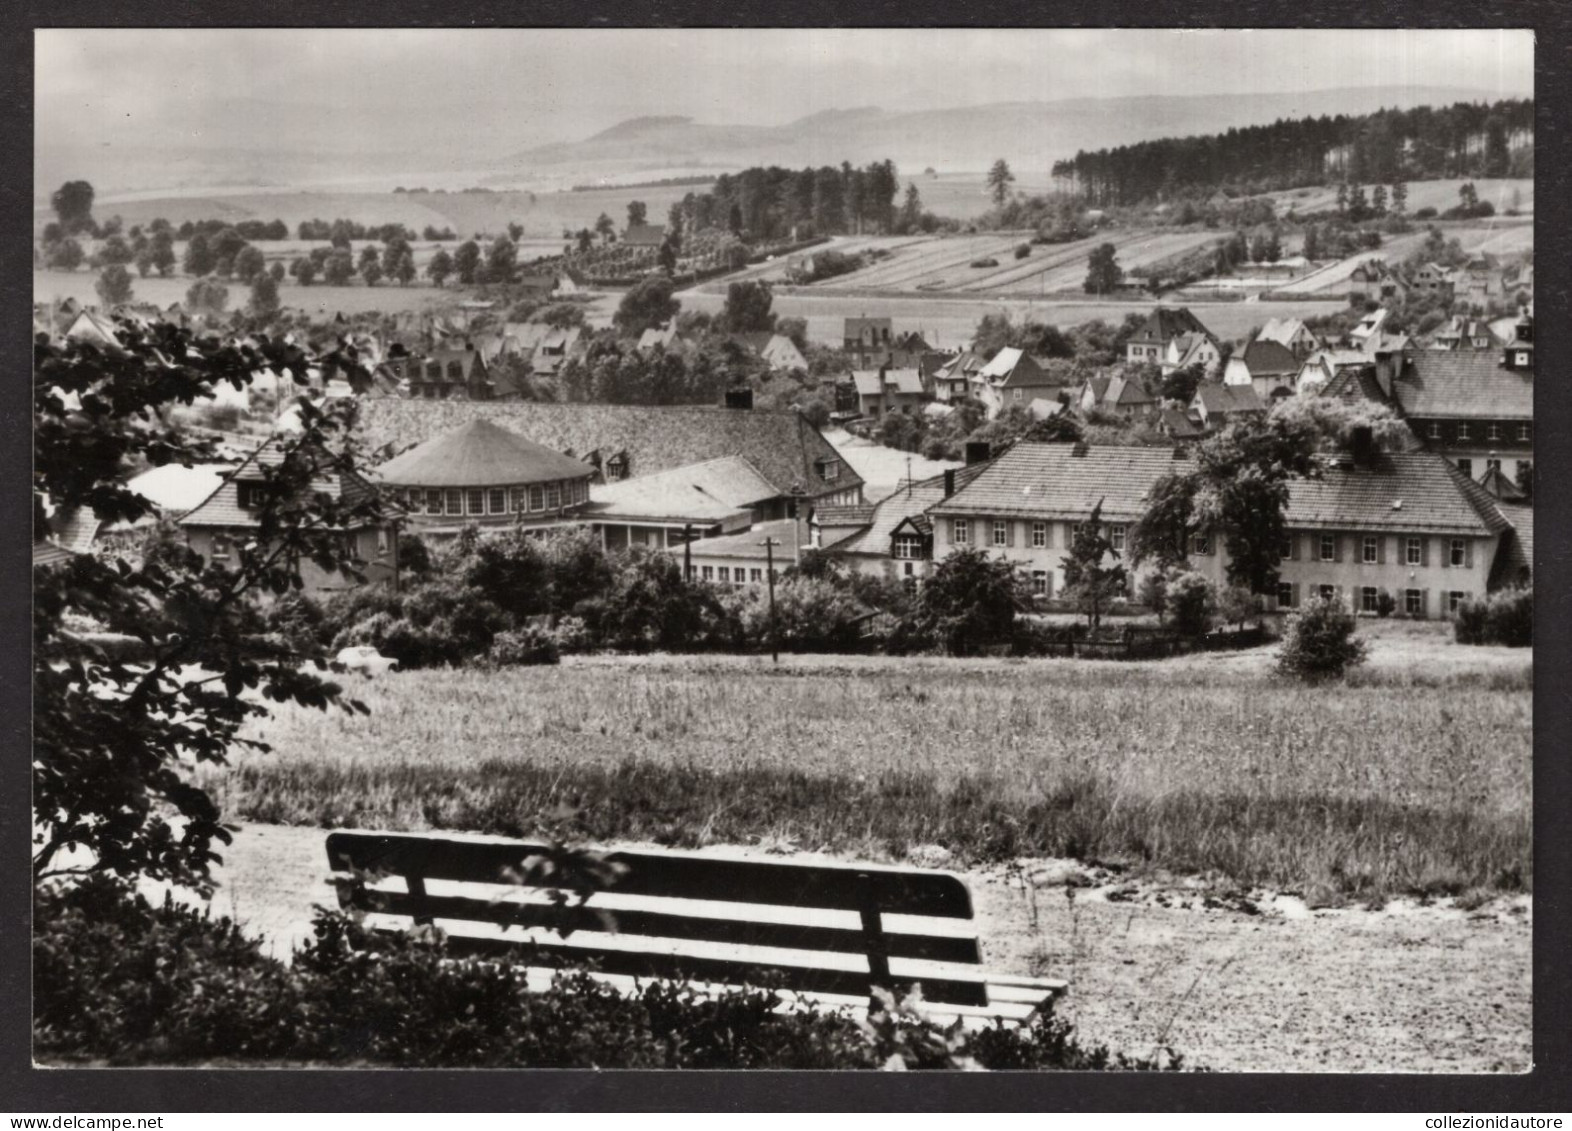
pixel 50 285
pixel 1439 195
pixel 1414 779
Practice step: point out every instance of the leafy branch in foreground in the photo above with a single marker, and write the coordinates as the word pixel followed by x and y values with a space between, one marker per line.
pixel 115 740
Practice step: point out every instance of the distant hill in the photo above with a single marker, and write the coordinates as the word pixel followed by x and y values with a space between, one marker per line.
pixel 1030 135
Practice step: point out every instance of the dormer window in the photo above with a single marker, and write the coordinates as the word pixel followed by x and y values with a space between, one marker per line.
pixel 829 469
pixel 251 496
pixel 908 547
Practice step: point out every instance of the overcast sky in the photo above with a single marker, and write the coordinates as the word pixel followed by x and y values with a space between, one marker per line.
pixel 562 85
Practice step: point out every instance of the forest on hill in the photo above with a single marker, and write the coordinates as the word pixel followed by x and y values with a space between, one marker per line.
pixel 1463 140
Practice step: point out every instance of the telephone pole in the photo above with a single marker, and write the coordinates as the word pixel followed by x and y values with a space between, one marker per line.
pixel 769 545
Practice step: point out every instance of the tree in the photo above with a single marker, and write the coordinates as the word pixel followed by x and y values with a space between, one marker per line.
pixel 117 743
pixel 911 209
pixel 162 250
pixel 276 271
pixel 501 261
pixel 73 203
pixel 605 227
pixel 370 266
pixel 249 264
pixel 466 260
pixel 115 250
pixel 1181 384
pixel 968 604
pixel 404 267
pixel 440 267
pixel 1400 199
pixel 647 304
pixel 66 255
pixel 1357 208
pixel 666 258
pixel 636 213
pixel 207 295
pixel 304 270
pixel 1103 271
pixel 200 259
pixel 747 308
pixel 1087 581
pixel 114 285
pixel 1378 201
pixel 586 239
pixel 999 181
pixel 264 295
pixel 515 231
pixel 1342 197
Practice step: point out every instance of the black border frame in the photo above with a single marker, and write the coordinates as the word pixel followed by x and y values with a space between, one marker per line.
pixel 1546 1088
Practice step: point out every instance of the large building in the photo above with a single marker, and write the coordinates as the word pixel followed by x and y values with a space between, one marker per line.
pixel 666 508
pixel 1403 523
pixel 482 474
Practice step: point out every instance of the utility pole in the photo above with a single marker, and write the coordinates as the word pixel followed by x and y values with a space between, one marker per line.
pixel 769 545
pixel 687 551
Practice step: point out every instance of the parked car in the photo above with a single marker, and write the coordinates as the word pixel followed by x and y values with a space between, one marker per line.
pixel 365 659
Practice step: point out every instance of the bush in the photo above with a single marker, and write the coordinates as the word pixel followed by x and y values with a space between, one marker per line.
pixel 986 262
pixel 1022 250
pixel 1426 213
pixel 119 979
pixel 1319 642
pixel 1386 604
pixel 523 646
pixel 1505 618
pixel 1192 602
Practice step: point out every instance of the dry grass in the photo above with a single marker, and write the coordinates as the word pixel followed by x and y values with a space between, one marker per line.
pixel 1412 778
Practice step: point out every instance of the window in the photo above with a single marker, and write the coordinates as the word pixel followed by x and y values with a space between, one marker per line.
pixel 1328 547
pixel 960 531
pixel 250 496
pixel 1466 466
pixel 476 499
pixel 1435 430
pixel 709 573
pixel 1462 430
pixel 1201 544
pixel 908 546
pixel 1116 537
pixel 553 496
pixel 1493 432
pixel 497 500
pixel 1416 552
pixel 755 575
pixel 518 499
pixel 1367 599
pixel 1458 554
pixel 455 500
pixel 1016 393
pixel 1286 550
pixel 220 548
pixel 1414 602
pixel 1522 357
pixel 830 469
pixel 537 498
pixel 1285 595
pixel 1522 432
pixel 1000 531
pixel 1492 465
pixel 433 502
pixel 1453 600
pixel 1040 582
pixel 1039 534
pixel 724 573
pixel 1370 550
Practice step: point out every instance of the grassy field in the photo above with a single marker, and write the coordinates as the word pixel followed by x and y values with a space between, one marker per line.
pixel 1440 195
pixel 1412 778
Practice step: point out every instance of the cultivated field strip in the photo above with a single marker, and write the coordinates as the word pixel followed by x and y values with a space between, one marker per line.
pixel 918 264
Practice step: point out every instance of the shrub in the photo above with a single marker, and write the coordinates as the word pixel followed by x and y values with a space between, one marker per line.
pixel 120 979
pixel 1236 604
pixel 1506 618
pixel 1319 642
pixel 1192 602
pixel 1426 213
pixel 522 646
pixel 1386 604
pixel 1022 250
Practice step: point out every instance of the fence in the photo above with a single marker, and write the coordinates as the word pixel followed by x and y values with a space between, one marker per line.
pixel 1137 643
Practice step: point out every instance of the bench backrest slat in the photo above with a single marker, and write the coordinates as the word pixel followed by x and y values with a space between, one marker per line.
pixel 674 875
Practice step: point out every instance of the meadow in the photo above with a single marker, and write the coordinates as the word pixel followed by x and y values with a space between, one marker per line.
pixel 1412 778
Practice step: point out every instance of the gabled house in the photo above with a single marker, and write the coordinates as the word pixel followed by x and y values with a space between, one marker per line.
pixel 893 538
pixel 1163 325
pixel 1267 366
pixel 959 376
pixel 1216 405
pixel 1013 379
pixel 449 373
pixel 1292 334
pixel 866 339
pixel 230 516
pixel 781 354
pixel 1117 395
pixel 885 390
pixel 664 336
pixel 1374 280
pixel 1433 279
pixel 1463 333
pixel 1186 350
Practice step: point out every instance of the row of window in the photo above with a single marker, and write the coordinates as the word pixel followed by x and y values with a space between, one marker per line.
pixel 739 575
pixel 1466 466
pixel 1372 550
pixel 1002 533
pixel 1492 431
pixel 457 501
pixel 1411 602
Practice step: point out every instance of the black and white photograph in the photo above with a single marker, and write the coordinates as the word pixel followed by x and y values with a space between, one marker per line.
pixel 784 549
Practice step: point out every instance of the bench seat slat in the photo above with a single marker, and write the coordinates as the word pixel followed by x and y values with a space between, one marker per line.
pixel 677 874
pixel 671 958
pixel 737 931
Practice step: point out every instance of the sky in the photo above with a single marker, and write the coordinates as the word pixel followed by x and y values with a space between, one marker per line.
pixel 369 87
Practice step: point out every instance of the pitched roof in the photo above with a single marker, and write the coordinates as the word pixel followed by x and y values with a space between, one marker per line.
pixel 175 489
pixel 708 491
pixel 1353 383
pixel 1166 322
pixel 479 454
pixel 872 382
pixel 1417 491
pixel 1269 358
pixel 658 336
pixel 750 543
pixel 782 353
pixel 857 514
pixel 911 501
pixel 222 507
pixel 1122 392
pixel 1465 384
pixel 49 554
pixel 1051 480
pixel 1282 331
pixel 1229 398
pixel 782 446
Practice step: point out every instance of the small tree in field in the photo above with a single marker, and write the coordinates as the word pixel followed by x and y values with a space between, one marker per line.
pixel 1087 581
pixel 969 603
pixel 114 285
pixel 1319 642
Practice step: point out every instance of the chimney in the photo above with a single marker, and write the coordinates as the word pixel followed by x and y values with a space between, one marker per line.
pixel 740 398
pixel 949 482
pixel 1363 444
pixel 978 451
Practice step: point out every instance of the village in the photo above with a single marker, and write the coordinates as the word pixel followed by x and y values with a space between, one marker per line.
pixel 649 613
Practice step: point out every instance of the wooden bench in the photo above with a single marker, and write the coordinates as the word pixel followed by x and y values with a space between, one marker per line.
pixel 830 933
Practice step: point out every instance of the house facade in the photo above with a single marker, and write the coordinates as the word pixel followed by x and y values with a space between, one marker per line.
pixel 1267 366
pixel 1162 326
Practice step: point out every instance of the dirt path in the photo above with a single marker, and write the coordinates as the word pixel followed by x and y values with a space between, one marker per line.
pixel 1241 983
